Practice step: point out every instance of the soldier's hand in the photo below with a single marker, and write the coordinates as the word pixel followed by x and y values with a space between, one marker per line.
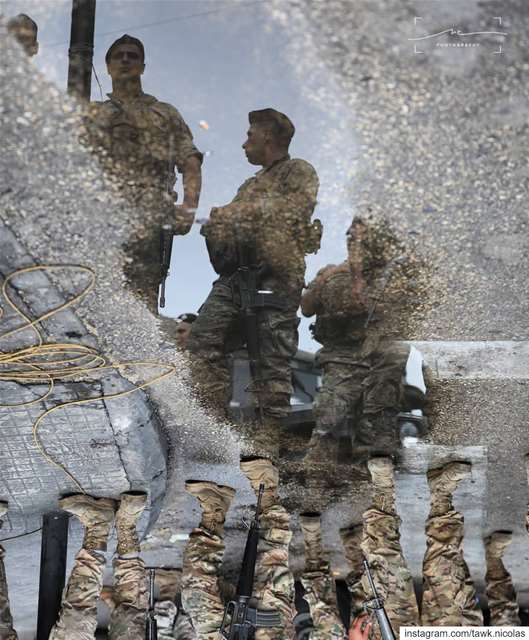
pixel 361 628
pixel 183 218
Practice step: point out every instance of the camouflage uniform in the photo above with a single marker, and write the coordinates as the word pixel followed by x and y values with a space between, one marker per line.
pixel 320 594
pixel 351 541
pixel 130 591
pixel 143 140
pixel 201 597
pixel 449 597
pixel 6 620
pixel 286 194
pixel 78 617
pixel 381 546
pixel 274 582
pixel 504 611
pixel 183 628
pixel 362 367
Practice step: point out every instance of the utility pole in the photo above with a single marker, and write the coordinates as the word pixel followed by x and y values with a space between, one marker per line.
pixel 81 51
pixel 54 547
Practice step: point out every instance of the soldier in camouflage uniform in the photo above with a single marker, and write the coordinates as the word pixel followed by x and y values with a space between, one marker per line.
pixel 318 582
pixel 362 305
pixel 381 546
pixel 504 611
pixel 6 620
pixel 78 616
pixel 274 582
pixel 351 538
pixel 201 595
pixel 449 597
pixel 271 213
pixel 25 31
pixel 142 141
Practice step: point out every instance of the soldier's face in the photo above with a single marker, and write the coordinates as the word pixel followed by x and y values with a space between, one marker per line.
pixel 183 329
pixel 125 62
pixel 27 38
pixel 255 145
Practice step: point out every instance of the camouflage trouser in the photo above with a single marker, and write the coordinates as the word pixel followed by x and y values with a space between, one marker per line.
pixel 449 597
pixel 183 629
pixel 78 617
pixel 217 332
pixel 364 383
pixel 274 582
pixel 320 594
pixel 504 611
pixel 165 612
pixel 381 547
pixel 128 618
pixel 201 597
pixel 6 621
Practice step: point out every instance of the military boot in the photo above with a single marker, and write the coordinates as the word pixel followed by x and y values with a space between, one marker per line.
pixel 95 514
pixel 383 479
pixel 130 509
pixel 351 538
pixel 310 523
pixel 443 481
pixel 215 500
pixel 169 582
pixel 496 543
pixel 262 471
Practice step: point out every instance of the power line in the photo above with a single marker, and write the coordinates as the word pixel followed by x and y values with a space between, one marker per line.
pixel 240 5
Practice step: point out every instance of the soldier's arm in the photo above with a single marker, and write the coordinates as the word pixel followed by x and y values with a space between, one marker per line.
pixel 192 179
pixel 311 298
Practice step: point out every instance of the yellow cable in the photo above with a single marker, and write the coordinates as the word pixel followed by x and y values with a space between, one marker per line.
pixel 53 362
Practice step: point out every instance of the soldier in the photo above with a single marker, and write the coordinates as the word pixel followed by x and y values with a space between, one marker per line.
pixel 7 631
pixel 143 141
pixel 361 306
pixel 449 597
pixel 201 595
pixel 25 31
pixel 319 585
pixel 351 538
pixel 270 216
pixel 183 329
pixel 381 546
pixel 78 616
pixel 274 582
pixel 504 611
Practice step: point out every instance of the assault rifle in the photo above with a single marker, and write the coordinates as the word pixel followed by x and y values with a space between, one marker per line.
pixel 166 248
pixel 151 627
pixel 376 605
pixel 253 300
pixel 242 617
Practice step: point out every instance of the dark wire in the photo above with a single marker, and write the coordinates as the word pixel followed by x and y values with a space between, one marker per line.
pixel 21 535
pixel 98 83
pixel 239 5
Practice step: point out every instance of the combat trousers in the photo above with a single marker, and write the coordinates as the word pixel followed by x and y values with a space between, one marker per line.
pixel 7 631
pixel 78 617
pixel 274 582
pixel 504 611
pixel 363 382
pixel 217 332
pixel 320 594
pixel 165 612
pixel 128 618
pixel 381 546
pixel 201 596
pixel 354 581
pixel 183 628
pixel 449 597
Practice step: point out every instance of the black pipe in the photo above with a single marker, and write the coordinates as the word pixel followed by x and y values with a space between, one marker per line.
pixel 81 51
pixel 54 546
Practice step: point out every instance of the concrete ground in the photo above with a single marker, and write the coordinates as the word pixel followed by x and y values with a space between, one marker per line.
pixel 443 135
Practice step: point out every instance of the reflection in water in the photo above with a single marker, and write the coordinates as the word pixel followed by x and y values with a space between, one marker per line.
pixel 364 309
pixel 141 141
pixel 257 245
